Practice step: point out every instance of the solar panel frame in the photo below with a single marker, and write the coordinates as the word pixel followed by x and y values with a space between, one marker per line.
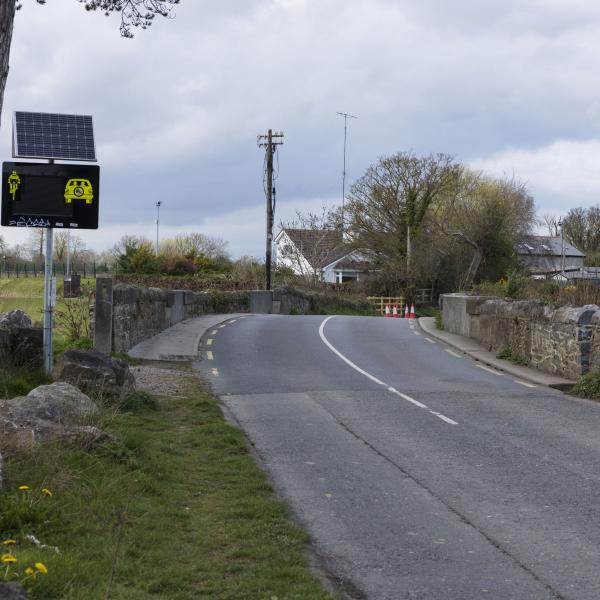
pixel 53 136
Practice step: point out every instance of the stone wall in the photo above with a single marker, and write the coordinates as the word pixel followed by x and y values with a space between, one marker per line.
pixel 301 302
pixel 560 340
pixel 140 313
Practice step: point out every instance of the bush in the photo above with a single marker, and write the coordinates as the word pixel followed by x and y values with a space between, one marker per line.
pixel 588 386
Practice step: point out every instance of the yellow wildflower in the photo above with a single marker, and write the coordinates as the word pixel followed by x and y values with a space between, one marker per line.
pixel 8 558
pixel 41 567
pixel 47 492
pixel 30 572
pixel 23 488
pixel 8 542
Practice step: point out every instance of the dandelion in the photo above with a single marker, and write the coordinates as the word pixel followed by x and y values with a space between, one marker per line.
pixel 47 492
pixel 29 572
pixel 8 558
pixel 23 488
pixel 8 542
pixel 41 567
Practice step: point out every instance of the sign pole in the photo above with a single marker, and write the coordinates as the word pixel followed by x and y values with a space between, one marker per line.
pixel 48 301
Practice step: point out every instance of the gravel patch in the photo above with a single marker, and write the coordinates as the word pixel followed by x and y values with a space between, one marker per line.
pixel 162 381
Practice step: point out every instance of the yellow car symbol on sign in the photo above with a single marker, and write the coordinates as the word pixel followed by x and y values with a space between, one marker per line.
pixel 79 189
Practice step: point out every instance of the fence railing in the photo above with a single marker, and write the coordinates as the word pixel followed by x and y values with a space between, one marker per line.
pixel 422 296
pixel 22 269
pixel 380 302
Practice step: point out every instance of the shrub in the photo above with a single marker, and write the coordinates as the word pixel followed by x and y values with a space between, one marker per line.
pixel 588 386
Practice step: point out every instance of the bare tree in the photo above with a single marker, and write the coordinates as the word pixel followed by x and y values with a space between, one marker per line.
pixel 134 13
pixel 388 204
pixel 552 224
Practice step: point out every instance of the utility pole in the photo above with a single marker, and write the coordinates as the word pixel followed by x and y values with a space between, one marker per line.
pixel 157 223
pixel 346 117
pixel 270 141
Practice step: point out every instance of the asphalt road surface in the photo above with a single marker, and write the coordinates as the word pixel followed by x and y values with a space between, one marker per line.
pixel 418 473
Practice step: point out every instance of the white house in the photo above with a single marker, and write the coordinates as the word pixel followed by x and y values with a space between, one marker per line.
pixel 320 253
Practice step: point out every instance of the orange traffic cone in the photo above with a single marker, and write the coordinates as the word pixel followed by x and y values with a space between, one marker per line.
pixel 412 311
pixel 395 312
pixel 406 315
pixel 387 311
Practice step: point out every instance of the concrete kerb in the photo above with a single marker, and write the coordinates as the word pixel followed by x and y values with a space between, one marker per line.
pixel 181 341
pixel 481 354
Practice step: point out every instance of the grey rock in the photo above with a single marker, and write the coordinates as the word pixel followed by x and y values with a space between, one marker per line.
pixel 56 411
pixel 20 343
pixel 12 591
pixel 15 318
pixel 93 371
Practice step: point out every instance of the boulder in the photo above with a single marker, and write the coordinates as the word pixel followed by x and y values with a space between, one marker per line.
pixel 93 371
pixel 20 343
pixel 59 403
pixel 15 318
pixel 56 411
pixel 12 591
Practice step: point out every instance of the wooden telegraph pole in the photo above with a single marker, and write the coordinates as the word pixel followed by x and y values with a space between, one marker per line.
pixel 270 141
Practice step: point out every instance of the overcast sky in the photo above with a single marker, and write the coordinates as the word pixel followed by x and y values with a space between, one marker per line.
pixel 508 86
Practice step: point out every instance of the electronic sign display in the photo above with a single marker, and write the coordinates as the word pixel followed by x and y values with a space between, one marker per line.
pixel 50 195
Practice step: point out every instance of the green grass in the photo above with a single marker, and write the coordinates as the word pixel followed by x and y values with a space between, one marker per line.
pixel 19 381
pixel 588 386
pixel 508 353
pixel 176 510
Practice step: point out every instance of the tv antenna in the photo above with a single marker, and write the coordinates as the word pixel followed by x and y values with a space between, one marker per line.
pixel 346 117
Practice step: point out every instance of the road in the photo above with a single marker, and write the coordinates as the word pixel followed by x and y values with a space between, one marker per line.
pixel 418 473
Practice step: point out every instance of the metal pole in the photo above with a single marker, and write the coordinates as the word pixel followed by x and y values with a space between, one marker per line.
pixel 48 302
pixel 346 117
pixel 562 249
pixel 157 223
pixel 269 206
pixel 68 273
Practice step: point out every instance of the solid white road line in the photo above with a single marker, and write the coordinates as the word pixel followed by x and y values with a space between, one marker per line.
pixel 452 353
pixel 529 385
pixel 374 379
pixel 492 371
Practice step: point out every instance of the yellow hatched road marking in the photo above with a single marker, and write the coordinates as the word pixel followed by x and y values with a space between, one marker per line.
pixel 209 342
pixel 215 372
pixel 209 355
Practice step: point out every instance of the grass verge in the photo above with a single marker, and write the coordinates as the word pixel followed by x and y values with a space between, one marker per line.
pixel 176 509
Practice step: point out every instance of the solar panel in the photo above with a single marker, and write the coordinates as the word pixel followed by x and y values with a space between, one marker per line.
pixel 51 135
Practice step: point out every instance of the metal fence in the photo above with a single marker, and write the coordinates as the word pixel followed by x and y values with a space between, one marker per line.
pixel 24 269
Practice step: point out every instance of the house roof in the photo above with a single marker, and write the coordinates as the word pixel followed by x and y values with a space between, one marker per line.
pixel 543 245
pixel 320 247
